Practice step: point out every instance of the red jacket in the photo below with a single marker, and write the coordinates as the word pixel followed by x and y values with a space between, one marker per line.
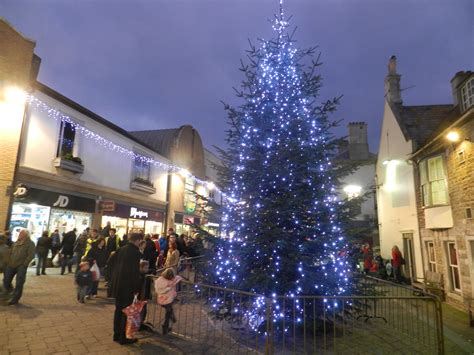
pixel 396 258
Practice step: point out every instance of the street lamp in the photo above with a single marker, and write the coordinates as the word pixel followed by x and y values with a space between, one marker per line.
pixel 453 136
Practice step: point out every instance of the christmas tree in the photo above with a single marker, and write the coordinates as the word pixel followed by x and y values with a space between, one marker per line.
pixel 282 211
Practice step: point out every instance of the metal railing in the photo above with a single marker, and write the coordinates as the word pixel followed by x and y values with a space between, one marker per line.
pixel 220 320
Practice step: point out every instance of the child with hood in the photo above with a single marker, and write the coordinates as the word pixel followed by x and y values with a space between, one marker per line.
pixel 165 287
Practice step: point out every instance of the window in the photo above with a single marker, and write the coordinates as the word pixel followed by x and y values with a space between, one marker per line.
pixel 430 250
pixel 141 169
pixel 461 156
pixel 433 181
pixel 467 94
pixel 67 135
pixel 453 266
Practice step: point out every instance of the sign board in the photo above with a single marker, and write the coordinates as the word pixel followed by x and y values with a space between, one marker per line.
pixel 107 205
pixel 27 194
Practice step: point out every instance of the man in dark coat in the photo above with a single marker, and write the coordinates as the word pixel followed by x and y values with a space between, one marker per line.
pixel 125 284
pixel 113 241
pixel 67 250
pixel 42 249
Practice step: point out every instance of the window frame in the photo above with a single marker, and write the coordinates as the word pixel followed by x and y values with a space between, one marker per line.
pixel 61 140
pixel 136 168
pixel 431 261
pixel 427 181
pixel 453 268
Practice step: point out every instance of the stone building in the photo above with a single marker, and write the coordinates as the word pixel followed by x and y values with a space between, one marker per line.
pixel 444 182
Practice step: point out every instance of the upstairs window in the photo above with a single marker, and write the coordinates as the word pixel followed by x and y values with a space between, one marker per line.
pixel 467 94
pixel 67 136
pixel 141 169
pixel 433 181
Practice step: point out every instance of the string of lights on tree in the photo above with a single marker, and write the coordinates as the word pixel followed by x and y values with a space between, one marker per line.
pixel 287 236
pixel 108 144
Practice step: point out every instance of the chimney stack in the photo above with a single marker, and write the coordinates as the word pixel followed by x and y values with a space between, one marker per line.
pixel 392 83
pixel 358 143
pixel 456 81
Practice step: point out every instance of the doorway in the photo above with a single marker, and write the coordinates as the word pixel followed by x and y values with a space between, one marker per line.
pixel 409 256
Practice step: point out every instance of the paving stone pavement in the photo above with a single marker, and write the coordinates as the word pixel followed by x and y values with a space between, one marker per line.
pixel 49 320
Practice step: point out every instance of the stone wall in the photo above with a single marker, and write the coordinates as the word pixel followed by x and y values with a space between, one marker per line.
pixel 460 179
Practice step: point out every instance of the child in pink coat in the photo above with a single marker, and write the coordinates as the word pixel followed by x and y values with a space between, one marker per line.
pixel 165 287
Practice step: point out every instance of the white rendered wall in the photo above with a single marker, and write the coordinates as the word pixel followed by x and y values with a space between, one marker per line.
pixel 101 165
pixel 396 203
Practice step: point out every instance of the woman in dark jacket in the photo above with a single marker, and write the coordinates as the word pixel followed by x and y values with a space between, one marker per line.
pixel 98 255
pixel 42 249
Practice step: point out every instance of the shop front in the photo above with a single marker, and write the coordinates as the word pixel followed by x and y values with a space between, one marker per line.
pixel 133 219
pixel 183 224
pixel 42 210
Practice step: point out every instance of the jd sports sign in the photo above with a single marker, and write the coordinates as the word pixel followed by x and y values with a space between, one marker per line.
pixel 53 199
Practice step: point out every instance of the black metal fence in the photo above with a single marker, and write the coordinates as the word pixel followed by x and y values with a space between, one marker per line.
pixel 387 318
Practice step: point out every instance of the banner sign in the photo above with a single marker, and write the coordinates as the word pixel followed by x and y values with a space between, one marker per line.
pixel 27 194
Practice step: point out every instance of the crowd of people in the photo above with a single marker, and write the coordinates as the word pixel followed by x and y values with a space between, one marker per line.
pixel 374 264
pixel 123 263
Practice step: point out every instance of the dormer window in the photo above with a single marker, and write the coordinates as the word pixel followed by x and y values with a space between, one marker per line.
pixel 467 94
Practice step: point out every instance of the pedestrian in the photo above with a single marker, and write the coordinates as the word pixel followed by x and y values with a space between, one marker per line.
pixel 105 231
pixel 367 253
pixel 55 243
pixel 172 258
pixel 163 243
pixel 4 253
pixel 92 238
pixel 8 235
pixel 125 284
pixel 124 240
pixel 22 252
pixel 80 247
pixel 67 251
pixel 150 253
pixel 181 244
pixel 112 241
pixel 43 245
pixel 109 271
pixel 397 262
pixel 165 287
pixel 83 281
pixel 97 255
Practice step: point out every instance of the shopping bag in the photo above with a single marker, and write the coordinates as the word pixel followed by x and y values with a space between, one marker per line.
pixel 56 260
pixel 134 318
pixel 95 273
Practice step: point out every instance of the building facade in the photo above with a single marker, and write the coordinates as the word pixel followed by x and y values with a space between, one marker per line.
pixel 65 167
pixel 444 182
pixel 404 130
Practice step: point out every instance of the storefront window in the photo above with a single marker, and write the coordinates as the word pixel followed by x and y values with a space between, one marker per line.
pixel 67 220
pixel 120 224
pixel 153 227
pixel 29 216
pixel 136 225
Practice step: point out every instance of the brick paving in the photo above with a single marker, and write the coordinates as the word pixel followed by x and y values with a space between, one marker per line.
pixel 49 320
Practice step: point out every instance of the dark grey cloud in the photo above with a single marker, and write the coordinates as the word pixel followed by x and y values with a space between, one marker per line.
pixel 147 64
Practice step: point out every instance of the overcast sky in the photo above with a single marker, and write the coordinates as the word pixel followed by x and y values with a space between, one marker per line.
pixel 146 64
